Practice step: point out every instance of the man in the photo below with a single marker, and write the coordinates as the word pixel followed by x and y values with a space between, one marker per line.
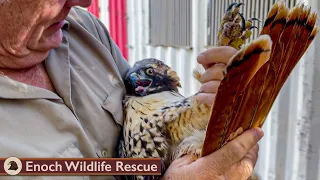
pixel 62 84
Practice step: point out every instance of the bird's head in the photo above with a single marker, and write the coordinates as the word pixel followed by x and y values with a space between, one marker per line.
pixel 150 76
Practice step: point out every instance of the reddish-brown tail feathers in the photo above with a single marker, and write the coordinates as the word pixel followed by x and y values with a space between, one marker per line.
pixel 257 72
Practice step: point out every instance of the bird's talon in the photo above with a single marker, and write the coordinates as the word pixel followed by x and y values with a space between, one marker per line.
pixel 254 19
pixel 240 4
pixel 253 27
pixel 243 22
pixel 231 6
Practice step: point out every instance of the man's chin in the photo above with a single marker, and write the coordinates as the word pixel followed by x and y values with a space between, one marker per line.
pixel 50 42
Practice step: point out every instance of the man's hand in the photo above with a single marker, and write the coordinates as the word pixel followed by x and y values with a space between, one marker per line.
pixel 234 161
pixel 214 62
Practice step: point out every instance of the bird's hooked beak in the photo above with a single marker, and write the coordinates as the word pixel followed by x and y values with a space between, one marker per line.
pixel 139 84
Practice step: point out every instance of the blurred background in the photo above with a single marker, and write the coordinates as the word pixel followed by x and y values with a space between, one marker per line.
pixel 176 31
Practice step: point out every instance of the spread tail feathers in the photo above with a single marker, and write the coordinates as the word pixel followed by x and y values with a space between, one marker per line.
pixel 252 83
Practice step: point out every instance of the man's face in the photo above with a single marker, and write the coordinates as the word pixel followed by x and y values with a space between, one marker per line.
pixel 29 29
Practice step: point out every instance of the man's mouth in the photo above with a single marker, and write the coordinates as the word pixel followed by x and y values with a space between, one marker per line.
pixel 58 22
pixel 57 25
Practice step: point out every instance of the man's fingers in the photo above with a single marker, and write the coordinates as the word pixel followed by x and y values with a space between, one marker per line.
pixel 213 73
pixel 239 147
pixel 210 87
pixel 234 151
pixel 185 160
pixel 251 157
pixel 245 166
pixel 205 98
pixel 215 55
pixel 180 168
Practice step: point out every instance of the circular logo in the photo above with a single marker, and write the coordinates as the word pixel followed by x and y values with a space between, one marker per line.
pixel 12 166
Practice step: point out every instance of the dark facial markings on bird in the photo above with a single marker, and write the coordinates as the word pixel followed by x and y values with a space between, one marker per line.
pixel 149 78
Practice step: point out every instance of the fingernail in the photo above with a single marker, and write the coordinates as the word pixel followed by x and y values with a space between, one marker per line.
pixel 201 58
pixel 259 133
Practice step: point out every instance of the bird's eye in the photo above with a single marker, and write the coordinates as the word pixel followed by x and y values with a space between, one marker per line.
pixel 150 71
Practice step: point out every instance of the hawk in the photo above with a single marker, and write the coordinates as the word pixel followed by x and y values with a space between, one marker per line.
pixel 161 123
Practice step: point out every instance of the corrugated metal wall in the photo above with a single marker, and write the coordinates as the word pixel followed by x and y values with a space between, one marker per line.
pixel 290 149
pixel 170 23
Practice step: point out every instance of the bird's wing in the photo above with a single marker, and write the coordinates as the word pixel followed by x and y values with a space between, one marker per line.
pixel 252 83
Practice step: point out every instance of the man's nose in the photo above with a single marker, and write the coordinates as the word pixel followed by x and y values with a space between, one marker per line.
pixel 82 3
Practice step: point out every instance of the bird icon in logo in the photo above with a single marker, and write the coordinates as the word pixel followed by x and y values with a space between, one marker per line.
pixel 12 166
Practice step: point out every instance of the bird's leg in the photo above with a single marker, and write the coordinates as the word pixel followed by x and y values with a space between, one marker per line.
pixel 234 29
pixel 228 24
pixel 238 42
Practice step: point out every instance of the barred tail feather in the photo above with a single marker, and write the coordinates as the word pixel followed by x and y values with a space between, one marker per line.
pixel 247 92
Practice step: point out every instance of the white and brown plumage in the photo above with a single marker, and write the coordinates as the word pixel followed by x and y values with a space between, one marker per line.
pixel 162 123
pixel 158 118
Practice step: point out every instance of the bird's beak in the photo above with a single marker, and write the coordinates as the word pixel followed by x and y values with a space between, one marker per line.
pixel 139 84
pixel 133 77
